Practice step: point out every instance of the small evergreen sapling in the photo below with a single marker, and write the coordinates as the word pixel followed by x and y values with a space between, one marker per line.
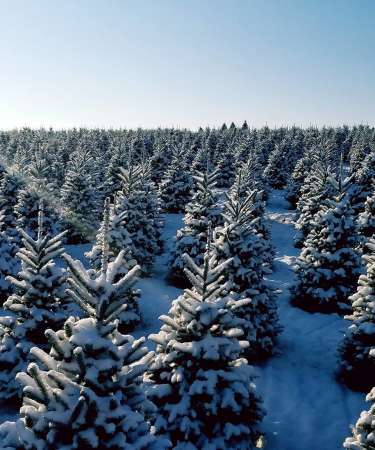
pixel 357 366
pixel 204 392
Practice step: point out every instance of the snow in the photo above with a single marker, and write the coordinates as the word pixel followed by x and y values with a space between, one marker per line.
pixel 306 407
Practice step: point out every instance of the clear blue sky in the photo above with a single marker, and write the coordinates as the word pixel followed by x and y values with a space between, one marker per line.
pixel 186 63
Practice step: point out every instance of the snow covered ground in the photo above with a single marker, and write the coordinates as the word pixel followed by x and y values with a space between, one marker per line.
pixel 306 408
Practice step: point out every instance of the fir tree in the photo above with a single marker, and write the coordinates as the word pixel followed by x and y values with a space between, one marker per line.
pixel 200 212
pixel 112 238
pixel 364 430
pixel 175 187
pixel 239 241
pixel 86 393
pixel 35 305
pixel 226 168
pixel 357 366
pixel 79 200
pixel 204 393
pixel 138 203
pixel 366 219
pixel 363 183
pixel 319 186
pixel 328 266
pixel 297 179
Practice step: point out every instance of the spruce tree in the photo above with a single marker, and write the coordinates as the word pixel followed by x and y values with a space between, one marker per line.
pixel 86 393
pixel 200 212
pixel 79 199
pixel 175 187
pixel 366 220
pixel 363 183
pixel 36 304
pixel 318 187
pixel 205 395
pixel 364 430
pixel 113 238
pixel 239 241
pixel 328 267
pixel 226 168
pixel 297 179
pixel 138 203
pixel 357 367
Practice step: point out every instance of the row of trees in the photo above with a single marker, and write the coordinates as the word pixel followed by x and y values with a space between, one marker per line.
pixel 84 382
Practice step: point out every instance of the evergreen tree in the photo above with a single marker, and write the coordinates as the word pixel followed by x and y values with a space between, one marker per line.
pixel 175 187
pixel 138 203
pixel 364 430
pixel 328 266
pixel 204 393
pixel 35 305
pixel 112 238
pixel 357 366
pixel 26 211
pixel 366 220
pixel 9 189
pixel 319 186
pixel 86 393
pixel 239 241
pixel 79 200
pixel 363 183
pixel 200 212
pixel 8 263
pixel 297 179
pixel 226 168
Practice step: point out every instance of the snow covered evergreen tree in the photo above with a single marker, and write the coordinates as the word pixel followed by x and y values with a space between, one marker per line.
pixel 200 212
pixel 297 179
pixel 319 186
pixel 26 212
pixel 363 433
pixel 204 393
pixel 79 199
pixel 138 204
pixel 227 170
pixel 366 221
pixel 175 187
pixel 35 305
pixel 86 393
pixel 357 366
pixel 363 183
pixel 328 266
pixel 239 241
pixel 113 238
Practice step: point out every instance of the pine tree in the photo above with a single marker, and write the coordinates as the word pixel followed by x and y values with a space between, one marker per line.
pixel 200 212
pixel 79 200
pixel 86 393
pixel 112 238
pixel 26 212
pixel 319 186
pixel 9 189
pixel 35 305
pixel 364 430
pixel 204 393
pixel 138 203
pixel 366 221
pixel 175 187
pixel 328 266
pixel 357 366
pixel 363 183
pixel 297 179
pixel 8 263
pixel 226 168
pixel 239 241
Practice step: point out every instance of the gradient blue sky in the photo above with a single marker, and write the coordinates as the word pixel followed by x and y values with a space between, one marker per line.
pixel 149 63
